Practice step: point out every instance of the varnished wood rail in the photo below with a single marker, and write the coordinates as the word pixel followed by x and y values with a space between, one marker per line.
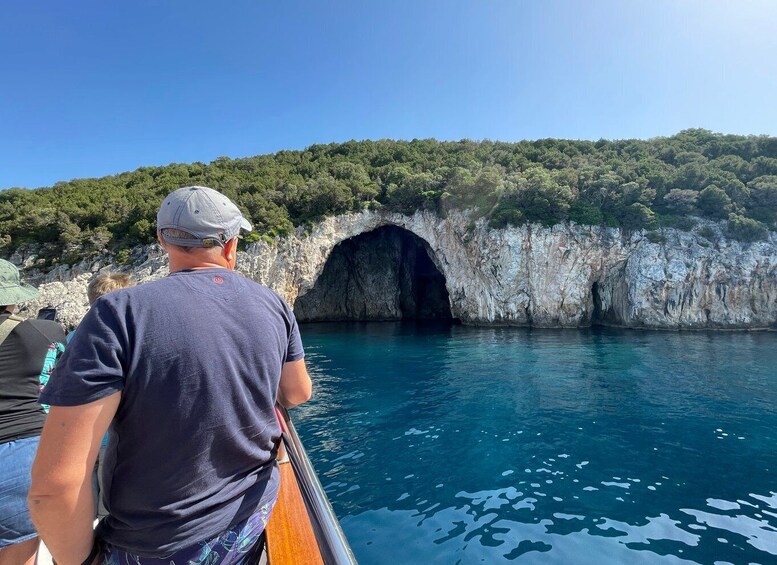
pixel 290 537
pixel 303 528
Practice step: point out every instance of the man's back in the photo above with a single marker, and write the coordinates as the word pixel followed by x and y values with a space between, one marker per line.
pixel 184 372
pixel 21 359
pixel 197 357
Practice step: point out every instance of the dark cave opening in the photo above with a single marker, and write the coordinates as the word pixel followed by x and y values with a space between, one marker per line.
pixel 596 314
pixel 602 313
pixel 383 275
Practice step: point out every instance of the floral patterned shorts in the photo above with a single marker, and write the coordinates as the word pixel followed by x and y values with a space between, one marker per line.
pixel 240 544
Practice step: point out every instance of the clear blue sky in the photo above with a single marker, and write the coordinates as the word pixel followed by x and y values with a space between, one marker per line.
pixel 89 88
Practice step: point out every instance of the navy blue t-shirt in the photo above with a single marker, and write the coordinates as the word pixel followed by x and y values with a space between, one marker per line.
pixel 197 357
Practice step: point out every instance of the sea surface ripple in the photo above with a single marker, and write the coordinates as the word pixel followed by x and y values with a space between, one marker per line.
pixel 441 444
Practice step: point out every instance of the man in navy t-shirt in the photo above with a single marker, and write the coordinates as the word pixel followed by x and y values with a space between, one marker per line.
pixel 186 372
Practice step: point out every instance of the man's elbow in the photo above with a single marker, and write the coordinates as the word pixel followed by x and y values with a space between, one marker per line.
pixel 42 493
pixel 47 498
pixel 306 395
pixel 297 396
pixel 295 386
pixel 38 504
pixel 47 487
pixel 40 499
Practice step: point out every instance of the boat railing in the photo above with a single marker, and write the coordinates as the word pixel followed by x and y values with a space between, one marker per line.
pixel 332 542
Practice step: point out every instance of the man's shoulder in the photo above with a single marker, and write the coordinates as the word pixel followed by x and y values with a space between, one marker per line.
pixel 123 295
pixel 43 324
pixel 164 287
pixel 49 329
pixel 254 286
pixel 268 293
pixel 257 286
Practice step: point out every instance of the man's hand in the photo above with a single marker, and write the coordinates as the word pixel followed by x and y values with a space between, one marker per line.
pixel 60 498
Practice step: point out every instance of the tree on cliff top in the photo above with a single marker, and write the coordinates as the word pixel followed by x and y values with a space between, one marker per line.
pixel 628 183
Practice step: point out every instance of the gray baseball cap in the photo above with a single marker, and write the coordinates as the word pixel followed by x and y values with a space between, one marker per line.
pixel 209 216
pixel 12 289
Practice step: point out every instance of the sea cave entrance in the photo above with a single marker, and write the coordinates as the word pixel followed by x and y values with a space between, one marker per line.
pixel 386 274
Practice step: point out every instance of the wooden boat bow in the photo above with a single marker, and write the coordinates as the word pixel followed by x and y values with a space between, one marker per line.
pixel 303 528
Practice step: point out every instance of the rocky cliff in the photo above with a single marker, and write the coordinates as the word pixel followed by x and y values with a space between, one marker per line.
pixel 384 266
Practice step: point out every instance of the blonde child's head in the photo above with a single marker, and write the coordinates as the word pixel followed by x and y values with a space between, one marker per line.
pixel 105 283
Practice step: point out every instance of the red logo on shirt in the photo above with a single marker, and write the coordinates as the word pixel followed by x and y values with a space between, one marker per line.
pixel 218 280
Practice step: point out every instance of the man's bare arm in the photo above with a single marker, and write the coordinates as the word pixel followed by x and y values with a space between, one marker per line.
pixel 60 498
pixel 295 386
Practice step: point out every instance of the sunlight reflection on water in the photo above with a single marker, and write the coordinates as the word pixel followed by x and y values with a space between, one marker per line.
pixel 576 447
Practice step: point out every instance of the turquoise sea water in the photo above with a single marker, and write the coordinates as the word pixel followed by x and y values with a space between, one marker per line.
pixel 469 445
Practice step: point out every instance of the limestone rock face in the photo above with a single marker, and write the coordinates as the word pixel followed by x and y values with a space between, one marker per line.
pixel 563 276
pixel 64 288
pixel 688 283
pixel 521 276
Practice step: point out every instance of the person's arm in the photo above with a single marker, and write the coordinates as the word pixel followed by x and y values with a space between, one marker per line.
pixel 60 498
pixel 295 386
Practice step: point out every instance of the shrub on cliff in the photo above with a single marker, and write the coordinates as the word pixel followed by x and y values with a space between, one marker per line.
pixel 637 216
pixel 629 183
pixel 585 214
pixel 746 229
pixel 714 202
pixel 681 201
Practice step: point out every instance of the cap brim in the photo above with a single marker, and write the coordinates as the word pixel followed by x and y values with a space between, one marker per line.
pixel 17 294
pixel 245 225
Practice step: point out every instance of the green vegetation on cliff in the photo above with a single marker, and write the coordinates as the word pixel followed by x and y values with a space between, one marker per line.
pixel 634 184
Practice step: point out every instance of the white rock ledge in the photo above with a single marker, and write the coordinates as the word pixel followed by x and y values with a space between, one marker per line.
pixel 565 276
